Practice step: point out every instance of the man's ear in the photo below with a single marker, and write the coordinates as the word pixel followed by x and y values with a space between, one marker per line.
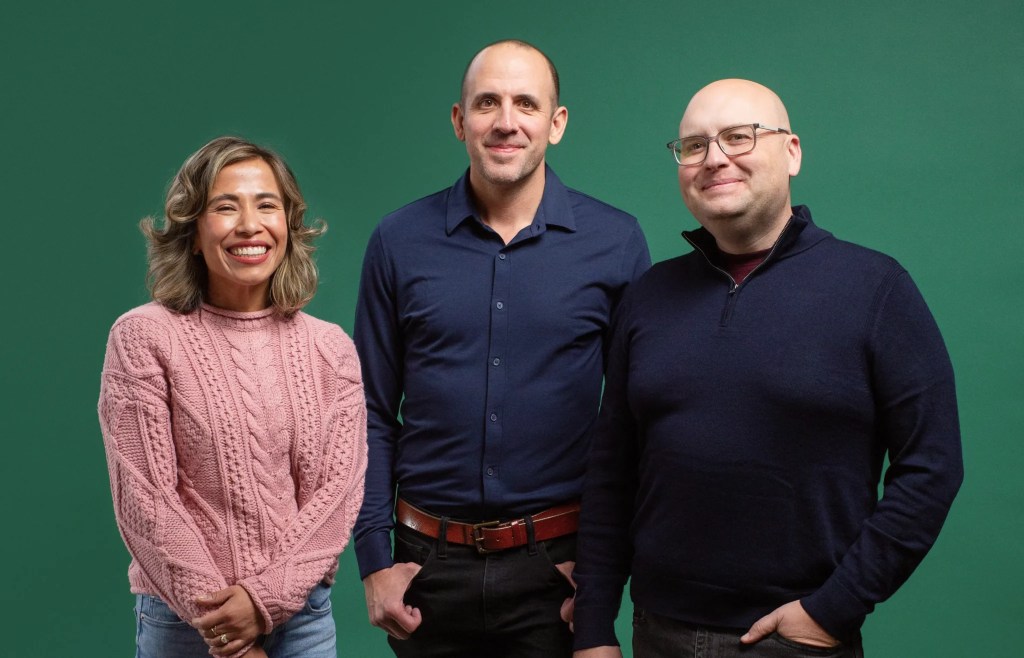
pixel 795 155
pixel 457 118
pixel 558 122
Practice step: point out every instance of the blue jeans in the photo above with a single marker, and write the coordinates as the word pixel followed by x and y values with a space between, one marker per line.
pixel 656 636
pixel 308 634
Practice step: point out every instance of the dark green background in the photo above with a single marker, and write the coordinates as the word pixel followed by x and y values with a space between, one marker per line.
pixel 910 119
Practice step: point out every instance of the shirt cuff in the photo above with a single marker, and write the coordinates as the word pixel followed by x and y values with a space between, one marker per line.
pixel 373 553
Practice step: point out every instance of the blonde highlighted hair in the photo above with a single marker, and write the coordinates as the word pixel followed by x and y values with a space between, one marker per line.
pixel 177 278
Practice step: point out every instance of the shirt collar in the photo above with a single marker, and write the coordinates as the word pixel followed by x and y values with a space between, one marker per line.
pixel 555 208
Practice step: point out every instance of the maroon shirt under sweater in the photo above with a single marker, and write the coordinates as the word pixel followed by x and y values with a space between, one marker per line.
pixel 739 266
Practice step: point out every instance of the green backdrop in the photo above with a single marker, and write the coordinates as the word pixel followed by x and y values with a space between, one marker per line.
pixel 910 119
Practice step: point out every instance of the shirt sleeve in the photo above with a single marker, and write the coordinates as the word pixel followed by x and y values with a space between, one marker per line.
pixel 604 551
pixel 636 258
pixel 915 399
pixel 332 468
pixel 379 341
pixel 135 418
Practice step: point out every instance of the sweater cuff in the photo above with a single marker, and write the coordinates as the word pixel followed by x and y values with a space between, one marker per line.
pixel 258 595
pixel 836 610
pixel 594 627
pixel 373 553
pixel 244 650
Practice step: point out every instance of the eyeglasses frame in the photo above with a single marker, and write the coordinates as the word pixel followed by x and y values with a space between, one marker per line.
pixel 708 140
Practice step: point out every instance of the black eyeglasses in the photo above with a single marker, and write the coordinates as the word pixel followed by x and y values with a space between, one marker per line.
pixel 737 140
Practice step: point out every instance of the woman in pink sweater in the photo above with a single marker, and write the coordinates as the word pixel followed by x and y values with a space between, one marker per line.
pixel 234 424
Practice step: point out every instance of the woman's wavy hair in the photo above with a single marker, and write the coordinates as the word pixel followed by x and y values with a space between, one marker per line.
pixel 177 277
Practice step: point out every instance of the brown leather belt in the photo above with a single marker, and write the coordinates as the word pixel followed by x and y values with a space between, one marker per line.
pixel 493 536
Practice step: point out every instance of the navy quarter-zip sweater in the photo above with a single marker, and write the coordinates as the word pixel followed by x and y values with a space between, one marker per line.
pixel 736 461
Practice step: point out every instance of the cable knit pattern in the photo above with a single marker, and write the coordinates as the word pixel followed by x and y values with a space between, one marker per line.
pixel 268 439
pixel 236 449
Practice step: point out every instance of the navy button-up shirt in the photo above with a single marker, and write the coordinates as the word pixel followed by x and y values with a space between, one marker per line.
pixel 482 361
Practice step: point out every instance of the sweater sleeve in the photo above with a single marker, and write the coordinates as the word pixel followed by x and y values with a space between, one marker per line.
pixel 135 419
pixel 331 473
pixel 915 401
pixel 604 551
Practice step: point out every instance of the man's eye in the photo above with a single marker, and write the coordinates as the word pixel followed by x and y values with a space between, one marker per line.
pixel 690 147
pixel 736 138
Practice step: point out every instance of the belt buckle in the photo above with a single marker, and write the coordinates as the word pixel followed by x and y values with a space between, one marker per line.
pixel 478 536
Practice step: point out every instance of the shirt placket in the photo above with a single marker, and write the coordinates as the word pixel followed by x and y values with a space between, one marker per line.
pixel 496 380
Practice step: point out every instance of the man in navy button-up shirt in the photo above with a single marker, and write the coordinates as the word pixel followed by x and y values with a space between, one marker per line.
pixel 481 324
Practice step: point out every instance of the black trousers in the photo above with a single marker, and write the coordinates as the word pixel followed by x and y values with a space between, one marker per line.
pixel 499 604
pixel 656 636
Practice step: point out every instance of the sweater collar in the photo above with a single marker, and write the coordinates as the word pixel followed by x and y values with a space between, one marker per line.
pixel 799 234
pixel 239 320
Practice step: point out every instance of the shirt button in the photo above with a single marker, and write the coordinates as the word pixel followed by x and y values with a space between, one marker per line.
pixel 494 417
pixel 496 361
pixel 500 305
pixel 490 471
pixel 501 256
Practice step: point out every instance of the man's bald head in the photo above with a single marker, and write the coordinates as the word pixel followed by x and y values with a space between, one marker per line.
pixel 511 43
pixel 733 102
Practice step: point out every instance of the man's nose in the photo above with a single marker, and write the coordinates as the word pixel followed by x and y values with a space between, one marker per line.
pixel 506 119
pixel 716 157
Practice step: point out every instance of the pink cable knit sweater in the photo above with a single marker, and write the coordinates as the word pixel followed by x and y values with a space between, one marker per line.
pixel 236 444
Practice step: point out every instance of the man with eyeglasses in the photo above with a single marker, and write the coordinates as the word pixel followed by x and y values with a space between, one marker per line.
pixel 754 388
pixel 481 325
